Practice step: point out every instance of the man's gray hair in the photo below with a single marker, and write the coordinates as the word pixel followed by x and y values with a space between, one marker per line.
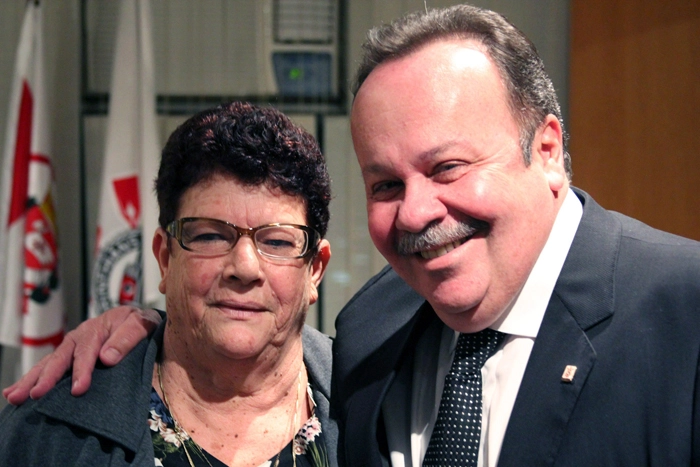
pixel 530 90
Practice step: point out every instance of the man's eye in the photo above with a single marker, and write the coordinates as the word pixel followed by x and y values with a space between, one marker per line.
pixel 385 189
pixel 449 171
pixel 445 167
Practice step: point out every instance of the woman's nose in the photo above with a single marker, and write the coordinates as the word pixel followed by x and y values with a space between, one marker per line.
pixel 243 261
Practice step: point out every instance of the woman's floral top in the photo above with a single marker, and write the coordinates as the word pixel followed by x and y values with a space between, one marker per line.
pixel 179 450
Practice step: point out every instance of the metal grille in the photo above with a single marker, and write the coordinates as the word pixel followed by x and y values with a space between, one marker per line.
pixel 305 21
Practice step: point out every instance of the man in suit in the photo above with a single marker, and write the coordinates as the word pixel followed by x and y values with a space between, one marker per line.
pixel 459 136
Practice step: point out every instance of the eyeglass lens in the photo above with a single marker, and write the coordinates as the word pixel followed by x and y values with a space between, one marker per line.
pixel 211 237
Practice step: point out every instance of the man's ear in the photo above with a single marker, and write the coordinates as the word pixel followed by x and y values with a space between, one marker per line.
pixel 548 146
pixel 162 253
pixel 318 266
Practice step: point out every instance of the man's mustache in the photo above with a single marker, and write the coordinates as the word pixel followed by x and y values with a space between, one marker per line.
pixel 438 234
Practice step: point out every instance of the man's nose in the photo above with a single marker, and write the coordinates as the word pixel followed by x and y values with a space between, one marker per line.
pixel 420 206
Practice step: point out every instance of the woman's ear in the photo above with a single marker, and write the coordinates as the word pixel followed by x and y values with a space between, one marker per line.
pixel 318 266
pixel 162 253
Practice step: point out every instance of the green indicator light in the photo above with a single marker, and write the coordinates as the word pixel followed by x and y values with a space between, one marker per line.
pixel 295 73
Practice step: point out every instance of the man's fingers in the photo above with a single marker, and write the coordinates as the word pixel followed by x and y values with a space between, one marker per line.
pixel 18 392
pixel 93 336
pixel 124 337
pixel 110 336
pixel 90 336
pixel 79 347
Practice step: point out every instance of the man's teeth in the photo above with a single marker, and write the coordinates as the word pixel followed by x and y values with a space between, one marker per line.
pixel 443 250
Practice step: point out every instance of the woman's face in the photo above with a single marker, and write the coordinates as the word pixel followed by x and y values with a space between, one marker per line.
pixel 239 304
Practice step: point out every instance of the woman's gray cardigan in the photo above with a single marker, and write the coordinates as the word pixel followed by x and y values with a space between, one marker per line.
pixel 108 425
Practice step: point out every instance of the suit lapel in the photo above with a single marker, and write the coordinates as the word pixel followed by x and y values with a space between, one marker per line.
pixel 582 298
pixel 363 415
pixel 369 349
pixel 545 402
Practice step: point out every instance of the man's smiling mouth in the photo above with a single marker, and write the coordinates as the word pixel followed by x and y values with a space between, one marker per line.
pixel 438 240
pixel 442 250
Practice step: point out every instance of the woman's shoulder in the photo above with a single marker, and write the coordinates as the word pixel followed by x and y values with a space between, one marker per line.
pixel 20 434
pixel 318 357
pixel 315 338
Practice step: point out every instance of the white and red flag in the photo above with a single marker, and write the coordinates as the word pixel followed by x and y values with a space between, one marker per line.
pixel 125 270
pixel 31 300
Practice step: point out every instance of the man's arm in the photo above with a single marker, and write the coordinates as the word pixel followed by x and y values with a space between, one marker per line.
pixel 110 336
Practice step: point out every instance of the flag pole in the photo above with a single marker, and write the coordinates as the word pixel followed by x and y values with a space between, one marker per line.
pixel 85 255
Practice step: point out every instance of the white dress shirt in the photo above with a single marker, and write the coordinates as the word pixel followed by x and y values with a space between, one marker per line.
pixel 411 406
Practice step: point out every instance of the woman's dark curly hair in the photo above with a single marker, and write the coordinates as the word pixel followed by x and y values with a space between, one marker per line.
pixel 257 146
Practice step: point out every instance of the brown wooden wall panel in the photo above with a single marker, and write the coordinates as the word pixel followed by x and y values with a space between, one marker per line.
pixel 634 108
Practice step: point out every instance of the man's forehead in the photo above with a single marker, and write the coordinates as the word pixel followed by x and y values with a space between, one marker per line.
pixel 428 80
pixel 444 53
pixel 435 67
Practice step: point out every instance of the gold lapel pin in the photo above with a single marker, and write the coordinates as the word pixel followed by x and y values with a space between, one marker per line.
pixel 568 375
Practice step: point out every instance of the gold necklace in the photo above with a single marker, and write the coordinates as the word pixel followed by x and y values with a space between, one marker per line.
pixel 182 435
pixel 178 429
pixel 294 422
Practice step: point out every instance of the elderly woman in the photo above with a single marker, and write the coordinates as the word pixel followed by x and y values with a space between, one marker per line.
pixel 233 376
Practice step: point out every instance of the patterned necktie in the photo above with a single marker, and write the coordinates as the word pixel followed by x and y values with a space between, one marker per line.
pixel 455 438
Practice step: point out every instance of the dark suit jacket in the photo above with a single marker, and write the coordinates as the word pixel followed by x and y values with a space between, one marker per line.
pixel 625 310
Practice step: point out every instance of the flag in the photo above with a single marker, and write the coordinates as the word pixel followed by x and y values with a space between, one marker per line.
pixel 31 300
pixel 125 269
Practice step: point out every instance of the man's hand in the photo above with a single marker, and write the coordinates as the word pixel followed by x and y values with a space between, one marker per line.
pixel 109 336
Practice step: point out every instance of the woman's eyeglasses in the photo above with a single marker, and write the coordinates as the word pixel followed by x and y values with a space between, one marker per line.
pixel 215 237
